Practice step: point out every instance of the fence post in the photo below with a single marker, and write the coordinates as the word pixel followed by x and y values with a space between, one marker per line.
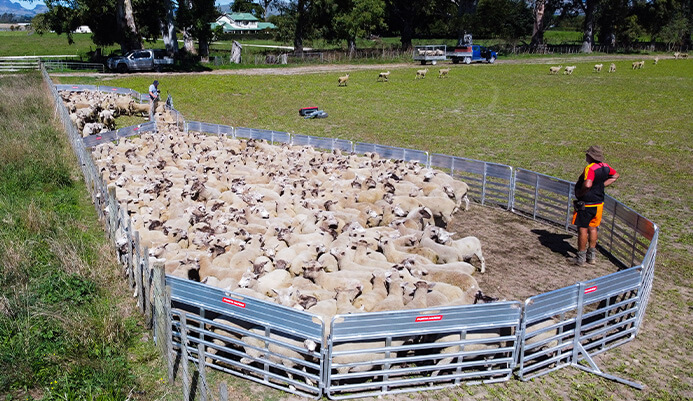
pixel 162 311
pixel 184 355
pixel 223 392
pixel 147 289
pixel 201 371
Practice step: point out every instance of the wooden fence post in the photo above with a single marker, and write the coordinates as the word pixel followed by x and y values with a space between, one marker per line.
pixel 184 355
pixel 162 313
pixel 147 289
pixel 223 392
pixel 201 371
pixel 132 279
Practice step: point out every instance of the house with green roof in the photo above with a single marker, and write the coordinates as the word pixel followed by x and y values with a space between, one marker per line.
pixel 241 23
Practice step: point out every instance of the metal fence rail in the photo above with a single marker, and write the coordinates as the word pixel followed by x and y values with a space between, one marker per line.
pixel 374 354
pixel 261 341
pixel 489 183
pixel 400 350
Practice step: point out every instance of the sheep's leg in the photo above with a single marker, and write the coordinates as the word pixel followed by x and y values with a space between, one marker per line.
pixel 483 262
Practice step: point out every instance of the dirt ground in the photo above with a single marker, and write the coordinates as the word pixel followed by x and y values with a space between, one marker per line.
pixel 523 257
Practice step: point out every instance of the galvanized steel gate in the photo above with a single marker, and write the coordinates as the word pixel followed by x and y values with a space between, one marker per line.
pixel 391 352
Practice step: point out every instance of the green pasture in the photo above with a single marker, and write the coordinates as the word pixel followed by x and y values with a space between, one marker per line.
pixel 22 43
pixel 514 114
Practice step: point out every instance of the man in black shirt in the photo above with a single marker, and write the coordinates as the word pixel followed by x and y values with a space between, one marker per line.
pixel 589 191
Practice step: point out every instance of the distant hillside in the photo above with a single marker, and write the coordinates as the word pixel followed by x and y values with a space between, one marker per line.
pixel 8 7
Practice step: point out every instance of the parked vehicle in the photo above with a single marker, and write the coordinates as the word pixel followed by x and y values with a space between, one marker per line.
pixel 467 54
pixel 140 60
pixel 464 52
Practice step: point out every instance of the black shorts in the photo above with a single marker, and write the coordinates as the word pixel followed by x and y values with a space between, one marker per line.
pixel 590 217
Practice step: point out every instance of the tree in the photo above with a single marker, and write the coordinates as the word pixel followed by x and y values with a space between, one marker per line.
pixel 266 4
pixel 247 6
pixel 195 16
pixel 406 16
pixel 544 11
pixel 349 19
pixel 589 8
pixel 509 19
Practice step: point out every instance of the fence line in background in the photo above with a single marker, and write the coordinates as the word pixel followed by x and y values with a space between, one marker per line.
pixel 294 351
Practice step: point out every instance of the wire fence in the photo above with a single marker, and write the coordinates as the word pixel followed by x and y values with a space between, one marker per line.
pixel 197 326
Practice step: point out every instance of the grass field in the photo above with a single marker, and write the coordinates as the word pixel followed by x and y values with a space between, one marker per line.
pixel 520 115
pixel 66 332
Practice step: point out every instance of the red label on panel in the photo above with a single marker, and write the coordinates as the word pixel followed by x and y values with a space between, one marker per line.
pixel 429 318
pixel 114 89
pixel 75 87
pixel 233 302
pixel 98 137
pixel 591 289
pixel 136 128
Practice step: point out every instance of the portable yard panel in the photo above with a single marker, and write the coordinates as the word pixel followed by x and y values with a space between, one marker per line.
pixel 373 354
pixel 264 342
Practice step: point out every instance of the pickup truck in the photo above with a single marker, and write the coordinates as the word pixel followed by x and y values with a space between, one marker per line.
pixel 464 53
pixel 140 60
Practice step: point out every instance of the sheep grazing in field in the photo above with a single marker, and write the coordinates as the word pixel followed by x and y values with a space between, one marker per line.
pixel 383 76
pixel 342 81
pixel 677 55
pixel 656 60
pixel 569 70
pixel 421 74
pixel 443 72
pixel 684 55
pixel 555 70
pixel 598 67
pixel 612 67
pixel 638 65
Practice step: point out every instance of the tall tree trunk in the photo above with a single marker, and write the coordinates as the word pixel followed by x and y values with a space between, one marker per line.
pixel 168 31
pixel 188 42
pixel 300 26
pixel 464 7
pixel 588 30
pixel 539 28
pixel 203 45
pixel 351 43
pixel 126 21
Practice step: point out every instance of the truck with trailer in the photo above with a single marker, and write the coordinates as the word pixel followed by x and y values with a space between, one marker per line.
pixel 464 52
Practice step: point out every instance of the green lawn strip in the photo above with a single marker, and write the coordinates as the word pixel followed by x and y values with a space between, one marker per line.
pixel 66 332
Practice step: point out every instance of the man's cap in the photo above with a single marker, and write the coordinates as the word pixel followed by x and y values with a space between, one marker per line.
pixel 595 152
pixel 156 82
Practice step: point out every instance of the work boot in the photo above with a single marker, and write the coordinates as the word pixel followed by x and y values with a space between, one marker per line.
pixel 591 256
pixel 580 259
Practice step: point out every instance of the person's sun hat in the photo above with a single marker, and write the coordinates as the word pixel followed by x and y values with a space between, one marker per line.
pixel 156 82
pixel 595 152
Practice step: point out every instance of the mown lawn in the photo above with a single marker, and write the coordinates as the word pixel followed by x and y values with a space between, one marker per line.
pixel 519 115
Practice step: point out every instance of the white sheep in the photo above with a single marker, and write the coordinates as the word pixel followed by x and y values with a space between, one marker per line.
pixel 612 67
pixel 569 70
pixel 342 81
pixel 555 69
pixel 443 72
pixel 421 74
pixel 384 76
pixel 598 67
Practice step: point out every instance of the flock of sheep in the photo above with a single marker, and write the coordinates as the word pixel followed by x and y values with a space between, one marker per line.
pixel 636 65
pixel 325 232
pixel 95 112
pixel 385 76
